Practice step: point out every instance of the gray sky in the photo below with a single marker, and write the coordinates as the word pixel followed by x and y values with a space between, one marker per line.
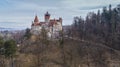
pixel 20 13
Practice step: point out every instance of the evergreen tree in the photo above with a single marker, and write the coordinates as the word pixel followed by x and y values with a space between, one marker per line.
pixel 1 46
pixel 27 33
pixel 10 48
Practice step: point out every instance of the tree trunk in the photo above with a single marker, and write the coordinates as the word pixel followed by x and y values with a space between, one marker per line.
pixel 11 62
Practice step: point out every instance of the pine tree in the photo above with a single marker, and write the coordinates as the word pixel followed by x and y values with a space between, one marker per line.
pixel 10 50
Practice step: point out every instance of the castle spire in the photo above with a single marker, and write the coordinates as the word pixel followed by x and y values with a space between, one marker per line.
pixel 36 19
pixel 47 17
pixel 47 14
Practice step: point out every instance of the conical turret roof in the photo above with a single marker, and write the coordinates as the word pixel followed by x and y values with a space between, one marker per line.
pixel 47 14
pixel 36 19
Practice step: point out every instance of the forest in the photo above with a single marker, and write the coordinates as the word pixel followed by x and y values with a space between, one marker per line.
pixel 102 27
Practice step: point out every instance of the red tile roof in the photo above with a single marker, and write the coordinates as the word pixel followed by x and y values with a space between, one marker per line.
pixel 51 22
pixel 36 19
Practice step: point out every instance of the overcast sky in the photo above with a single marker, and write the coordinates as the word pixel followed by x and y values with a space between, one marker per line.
pixel 20 13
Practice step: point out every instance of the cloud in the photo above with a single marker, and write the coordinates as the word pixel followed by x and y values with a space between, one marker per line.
pixel 88 4
pixel 22 12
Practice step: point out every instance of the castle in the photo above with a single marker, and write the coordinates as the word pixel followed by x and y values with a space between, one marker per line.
pixel 52 26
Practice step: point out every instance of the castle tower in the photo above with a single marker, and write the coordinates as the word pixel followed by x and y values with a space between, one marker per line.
pixel 36 20
pixel 47 17
pixel 60 19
